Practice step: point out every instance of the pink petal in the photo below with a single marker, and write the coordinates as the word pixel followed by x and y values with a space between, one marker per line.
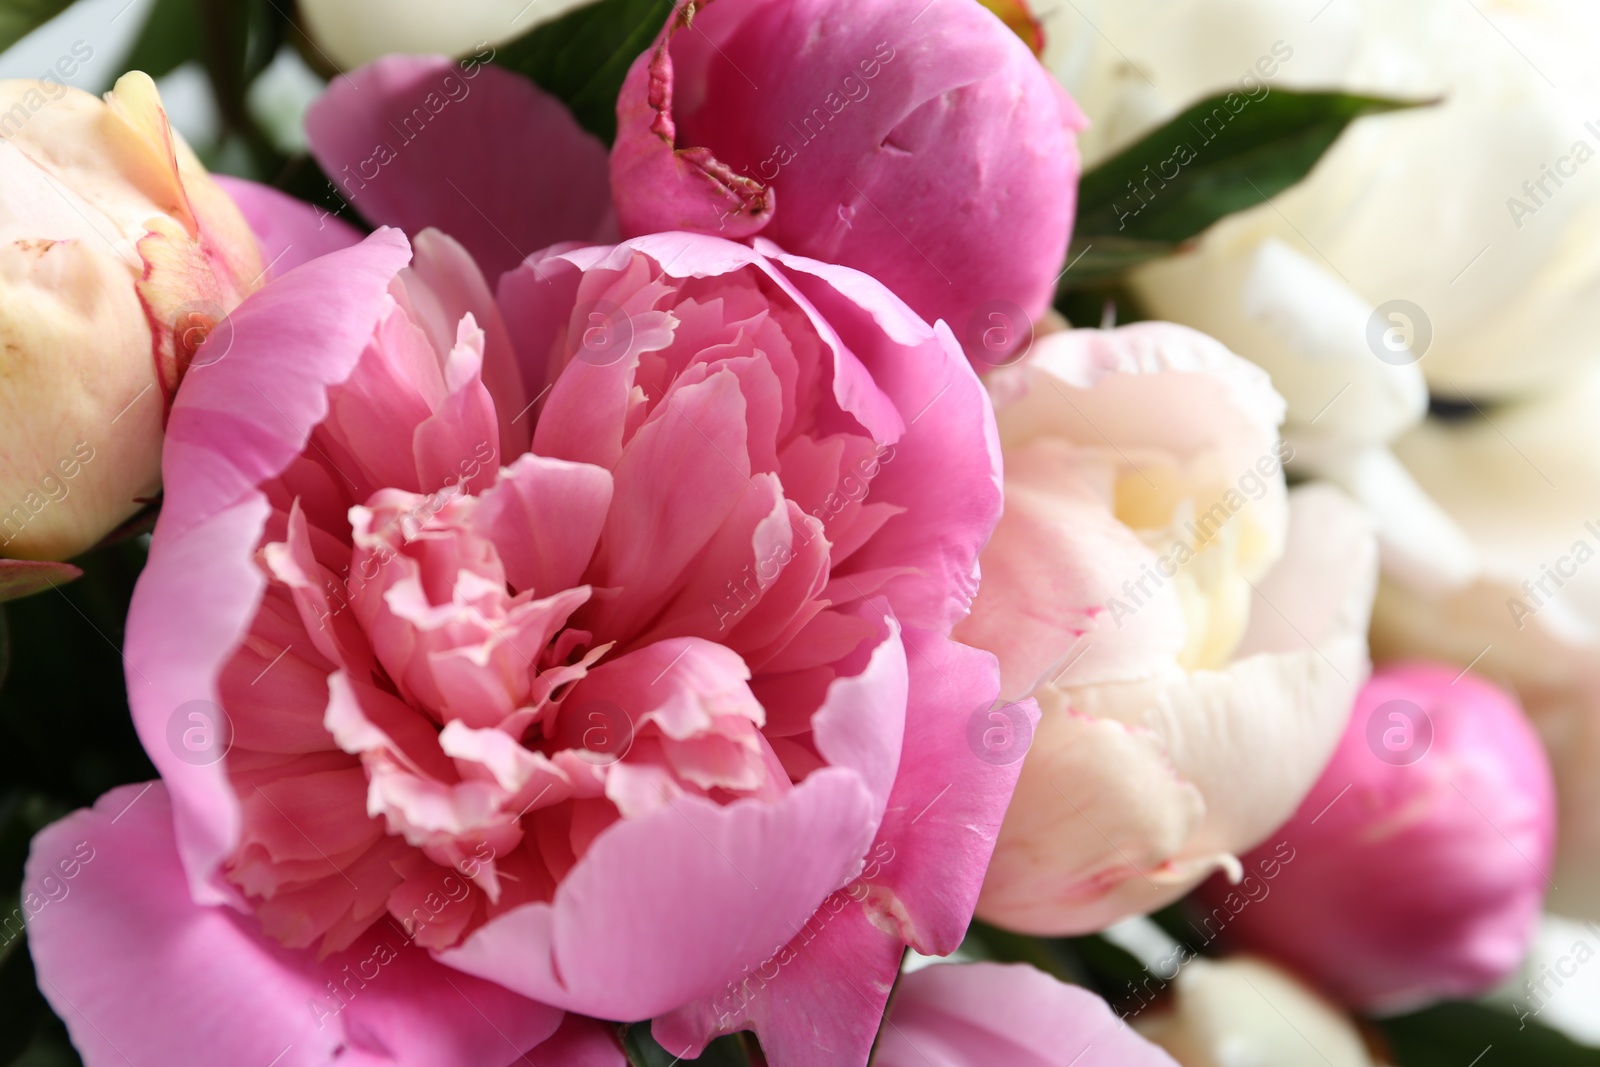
pixel 236 422
pixel 463 433
pixel 579 1042
pixel 482 154
pixel 289 231
pixel 545 556
pixel 452 287
pixel 676 482
pixel 861 725
pixel 815 1002
pixel 974 1014
pixel 949 435
pixel 945 811
pixel 121 951
pixel 661 909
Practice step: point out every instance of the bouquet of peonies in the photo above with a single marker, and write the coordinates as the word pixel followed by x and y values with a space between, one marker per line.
pixel 620 532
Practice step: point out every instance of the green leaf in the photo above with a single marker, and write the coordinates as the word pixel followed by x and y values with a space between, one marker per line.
pixel 1453 1035
pixel 18 18
pixel 22 1008
pixel 1222 155
pixel 65 731
pixel 1054 956
pixel 641 1050
pixel 582 57
pixel 1100 258
pixel 170 38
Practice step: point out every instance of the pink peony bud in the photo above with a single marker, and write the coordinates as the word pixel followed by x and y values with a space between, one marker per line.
pixel 927 147
pixel 1420 856
pixel 118 258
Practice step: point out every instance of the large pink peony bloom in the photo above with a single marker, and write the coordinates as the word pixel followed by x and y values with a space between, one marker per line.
pixel 591 641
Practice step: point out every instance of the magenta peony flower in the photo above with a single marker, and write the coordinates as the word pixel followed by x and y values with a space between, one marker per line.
pixel 1416 865
pixel 977 1014
pixel 928 148
pixel 582 650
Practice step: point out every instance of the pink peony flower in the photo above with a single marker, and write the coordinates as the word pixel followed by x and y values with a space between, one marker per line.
pixel 976 1014
pixel 935 153
pixel 592 641
pixel 1422 854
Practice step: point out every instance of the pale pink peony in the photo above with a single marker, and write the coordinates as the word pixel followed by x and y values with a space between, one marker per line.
pixel 924 145
pixel 591 641
pixel 1193 632
pixel 118 253
pixel 1422 854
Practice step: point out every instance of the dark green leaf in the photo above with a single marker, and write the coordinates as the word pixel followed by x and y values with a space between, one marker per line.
pixel 1053 956
pixel 1098 258
pixel 18 18
pixel 582 57
pixel 734 1050
pixel 22 1009
pixel 1452 1035
pixel 65 731
pixel 1088 306
pixel 1222 155
pixel 51 1047
pixel 170 38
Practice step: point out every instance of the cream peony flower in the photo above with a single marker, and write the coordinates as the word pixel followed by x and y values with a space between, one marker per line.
pixel 1244 1012
pixel 1194 635
pixel 349 33
pixel 118 255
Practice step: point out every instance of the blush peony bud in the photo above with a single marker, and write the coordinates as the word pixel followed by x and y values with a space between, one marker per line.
pixel 118 257
pixel 1421 855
